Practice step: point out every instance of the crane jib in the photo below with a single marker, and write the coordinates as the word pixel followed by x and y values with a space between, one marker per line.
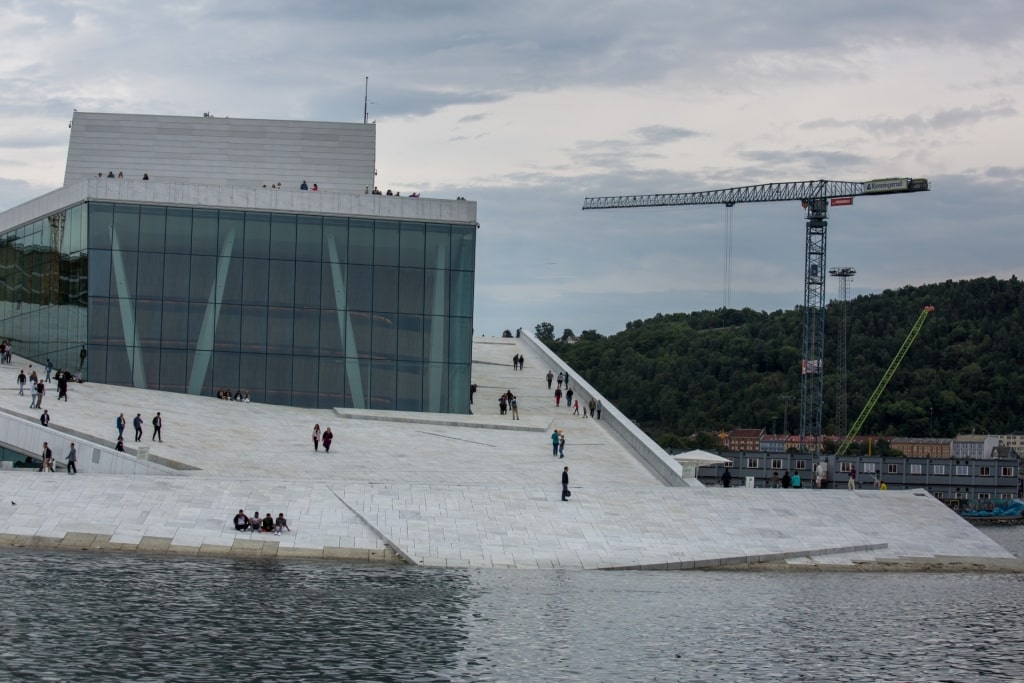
pixel 804 191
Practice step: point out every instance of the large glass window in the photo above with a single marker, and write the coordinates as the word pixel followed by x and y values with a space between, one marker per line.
pixel 126 227
pixel 301 310
pixel 152 221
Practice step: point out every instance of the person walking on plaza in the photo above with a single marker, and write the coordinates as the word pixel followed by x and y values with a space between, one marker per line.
pixel 328 438
pixel 47 456
pixel 316 437
pixel 561 444
pixel 158 423
pixel 558 397
pixel 568 398
pixel 35 394
pixel 549 377
pixel 22 379
pixel 565 484
pixel 554 442
pixel 561 378
pixel 600 407
pixel 726 478
pixel 49 369
pixel 567 380
pixel 794 481
pixel 851 483
pixel 72 459
pixel 81 357
pixel 514 404
pixel 44 419
pixel 576 408
pixel 62 385
pixel 137 423
pixel 120 426
pixel 592 404
pixel 40 391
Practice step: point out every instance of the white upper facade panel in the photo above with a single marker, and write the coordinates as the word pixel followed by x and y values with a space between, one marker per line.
pixel 207 150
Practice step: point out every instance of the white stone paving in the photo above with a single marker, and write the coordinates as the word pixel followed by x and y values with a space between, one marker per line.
pixel 443 490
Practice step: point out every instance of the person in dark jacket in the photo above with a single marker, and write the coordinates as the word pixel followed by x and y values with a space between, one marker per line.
pixel 565 484
pixel 726 478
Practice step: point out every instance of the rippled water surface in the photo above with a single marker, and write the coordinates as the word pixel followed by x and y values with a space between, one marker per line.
pixel 80 617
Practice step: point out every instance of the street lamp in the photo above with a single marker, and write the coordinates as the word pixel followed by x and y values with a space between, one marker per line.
pixel 785 398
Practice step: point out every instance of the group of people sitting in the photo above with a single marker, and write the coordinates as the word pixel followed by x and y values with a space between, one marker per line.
pixel 267 524
pixel 225 395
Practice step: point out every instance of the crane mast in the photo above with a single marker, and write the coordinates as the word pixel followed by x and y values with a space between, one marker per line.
pixel 815 196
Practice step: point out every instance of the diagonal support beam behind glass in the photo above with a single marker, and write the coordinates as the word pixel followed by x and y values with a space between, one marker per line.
pixel 204 341
pixel 127 306
pixel 353 373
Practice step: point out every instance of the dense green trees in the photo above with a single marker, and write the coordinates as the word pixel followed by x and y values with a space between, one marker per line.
pixel 684 377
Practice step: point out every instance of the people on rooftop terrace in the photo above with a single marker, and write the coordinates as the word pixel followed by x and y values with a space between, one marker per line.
pixel 303 186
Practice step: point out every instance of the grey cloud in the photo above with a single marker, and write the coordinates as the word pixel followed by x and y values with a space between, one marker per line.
pixel 33 141
pixel 951 118
pixel 656 135
pixel 814 159
pixel 490 50
pixel 1005 172
pixel 942 120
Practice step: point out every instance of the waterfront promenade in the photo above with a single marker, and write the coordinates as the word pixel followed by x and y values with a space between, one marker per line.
pixel 475 490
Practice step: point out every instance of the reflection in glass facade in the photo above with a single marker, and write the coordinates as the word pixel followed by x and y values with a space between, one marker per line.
pixel 302 310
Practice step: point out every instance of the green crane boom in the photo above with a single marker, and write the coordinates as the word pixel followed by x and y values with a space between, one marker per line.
pixel 855 429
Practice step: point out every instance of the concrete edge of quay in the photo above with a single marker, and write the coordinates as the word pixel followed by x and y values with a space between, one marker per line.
pixel 927 565
pixel 242 547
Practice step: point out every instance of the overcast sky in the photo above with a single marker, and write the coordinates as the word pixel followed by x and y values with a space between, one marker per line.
pixel 529 107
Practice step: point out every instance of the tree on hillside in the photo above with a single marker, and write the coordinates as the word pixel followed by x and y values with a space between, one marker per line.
pixel 545 332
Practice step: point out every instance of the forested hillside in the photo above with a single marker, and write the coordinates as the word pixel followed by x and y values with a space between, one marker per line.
pixel 681 374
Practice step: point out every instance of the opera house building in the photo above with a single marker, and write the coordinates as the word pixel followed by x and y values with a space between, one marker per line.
pixel 183 254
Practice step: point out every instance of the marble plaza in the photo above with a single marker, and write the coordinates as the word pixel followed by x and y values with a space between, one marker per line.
pixel 437 490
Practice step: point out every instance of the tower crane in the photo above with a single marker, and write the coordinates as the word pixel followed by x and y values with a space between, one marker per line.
pixel 815 196
pixel 884 382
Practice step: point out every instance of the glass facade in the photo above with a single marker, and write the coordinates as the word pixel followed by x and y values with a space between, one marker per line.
pixel 312 311
pixel 43 274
